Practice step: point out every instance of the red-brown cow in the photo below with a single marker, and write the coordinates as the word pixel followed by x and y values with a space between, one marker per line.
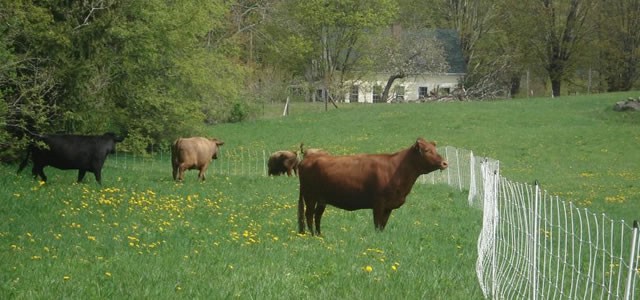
pixel 377 181
pixel 193 153
pixel 281 162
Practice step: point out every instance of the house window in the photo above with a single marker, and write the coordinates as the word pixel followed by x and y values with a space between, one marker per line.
pixel 319 94
pixel 446 91
pixel 353 95
pixel 399 93
pixel 377 93
pixel 423 92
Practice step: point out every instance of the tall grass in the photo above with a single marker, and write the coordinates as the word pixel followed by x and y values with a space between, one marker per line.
pixel 141 235
pixel 230 237
pixel 577 147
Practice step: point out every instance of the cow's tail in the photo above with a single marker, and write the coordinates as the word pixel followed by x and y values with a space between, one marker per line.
pixel 300 212
pixel 174 147
pixel 26 159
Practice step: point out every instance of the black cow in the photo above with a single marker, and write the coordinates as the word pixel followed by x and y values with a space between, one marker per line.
pixel 71 152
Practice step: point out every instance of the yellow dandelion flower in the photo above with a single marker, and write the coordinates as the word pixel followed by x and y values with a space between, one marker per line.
pixel 108 274
pixel 91 238
pixel 66 277
pixel 368 269
pixel 395 266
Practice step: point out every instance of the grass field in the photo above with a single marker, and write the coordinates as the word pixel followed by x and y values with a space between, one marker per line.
pixel 141 235
pixel 576 147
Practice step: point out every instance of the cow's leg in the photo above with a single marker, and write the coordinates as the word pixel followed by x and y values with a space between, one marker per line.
pixel 308 213
pixel 98 175
pixel 318 216
pixel 181 169
pixel 202 171
pixel 81 174
pixel 380 217
pixel 38 171
pixel 175 171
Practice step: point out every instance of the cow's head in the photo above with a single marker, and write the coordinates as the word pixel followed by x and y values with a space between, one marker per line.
pixel 111 140
pixel 430 157
pixel 215 143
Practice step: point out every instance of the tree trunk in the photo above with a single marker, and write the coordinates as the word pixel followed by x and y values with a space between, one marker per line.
pixel 555 87
pixel 392 78
pixel 556 71
pixel 515 85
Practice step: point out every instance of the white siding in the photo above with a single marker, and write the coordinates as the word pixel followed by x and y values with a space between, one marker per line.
pixel 411 84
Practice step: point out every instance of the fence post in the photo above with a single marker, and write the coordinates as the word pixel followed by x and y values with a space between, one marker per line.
pixel 534 243
pixel 472 179
pixel 496 219
pixel 264 162
pixel 446 154
pixel 632 260
pixel 458 166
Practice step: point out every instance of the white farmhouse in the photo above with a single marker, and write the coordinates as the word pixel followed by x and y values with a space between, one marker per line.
pixel 415 87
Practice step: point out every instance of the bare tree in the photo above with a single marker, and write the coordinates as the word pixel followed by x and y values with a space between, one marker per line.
pixel 555 32
pixel 409 53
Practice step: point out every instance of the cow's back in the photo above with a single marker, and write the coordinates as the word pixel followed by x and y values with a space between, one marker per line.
pixel 194 151
pixel 344 181
pixel 73 151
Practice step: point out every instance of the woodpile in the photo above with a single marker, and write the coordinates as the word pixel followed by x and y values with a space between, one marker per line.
pixel 629 104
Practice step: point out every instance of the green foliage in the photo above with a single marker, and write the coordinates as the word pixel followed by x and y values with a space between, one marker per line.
pixel 133 67
pixel 323 41
pixel 238 113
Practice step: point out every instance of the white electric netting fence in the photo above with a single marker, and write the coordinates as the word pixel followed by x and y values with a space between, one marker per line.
pixel 532 245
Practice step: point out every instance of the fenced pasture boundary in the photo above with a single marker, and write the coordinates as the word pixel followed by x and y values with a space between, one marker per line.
pixel 532 245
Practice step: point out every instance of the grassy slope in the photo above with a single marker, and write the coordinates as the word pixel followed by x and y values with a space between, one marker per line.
pixel 142 236
pixel 231 237
pixel 576 147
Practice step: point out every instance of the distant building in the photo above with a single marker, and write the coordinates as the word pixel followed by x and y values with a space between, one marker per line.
pixel 416 87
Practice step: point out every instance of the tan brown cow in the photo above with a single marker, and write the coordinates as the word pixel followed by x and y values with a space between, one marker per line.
pixel 281 162
pixel 193 153
pixel 377 181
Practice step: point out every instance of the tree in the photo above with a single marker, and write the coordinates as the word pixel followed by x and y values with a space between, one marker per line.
pixel 489 56
pixel 92 66
pixel 327 36
pixel 408 53
pixel 560 35
pixel 620 43
pixel 27 78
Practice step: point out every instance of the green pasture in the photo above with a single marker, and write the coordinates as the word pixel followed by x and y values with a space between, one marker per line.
pixel 576 147
pixel 140 235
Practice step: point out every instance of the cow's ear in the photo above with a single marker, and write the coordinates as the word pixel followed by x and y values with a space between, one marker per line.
pixel 417 147
pixel 433 143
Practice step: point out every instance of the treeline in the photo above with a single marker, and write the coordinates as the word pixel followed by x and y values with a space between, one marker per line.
pixel 157 69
